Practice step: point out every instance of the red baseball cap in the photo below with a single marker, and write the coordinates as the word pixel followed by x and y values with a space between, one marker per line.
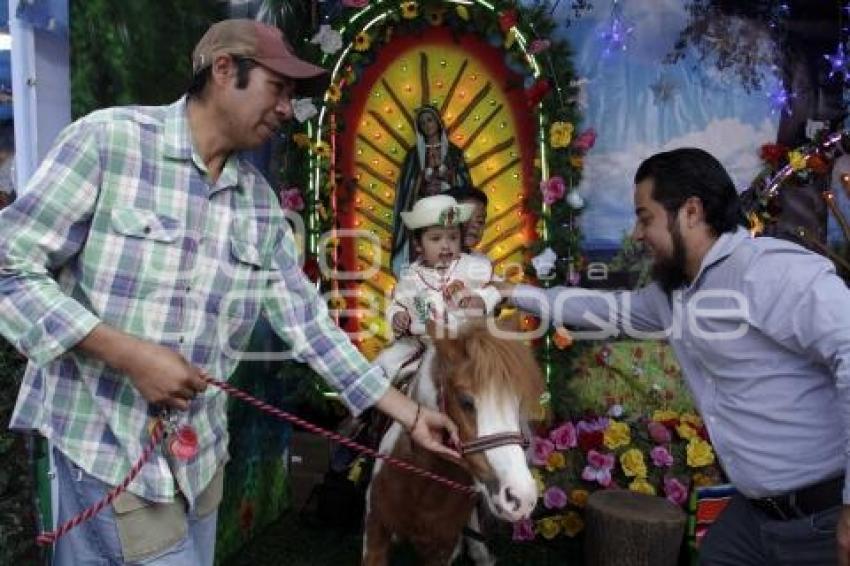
pixel 264 44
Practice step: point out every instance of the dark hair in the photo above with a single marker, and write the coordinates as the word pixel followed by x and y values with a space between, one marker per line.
pixel 202 77
pixel 687 172
pixel 463 193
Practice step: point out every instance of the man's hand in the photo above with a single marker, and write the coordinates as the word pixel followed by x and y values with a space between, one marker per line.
pixel 401 323
pixel 161 375
pixel 472 302
pixel 428 430
pixel 842 533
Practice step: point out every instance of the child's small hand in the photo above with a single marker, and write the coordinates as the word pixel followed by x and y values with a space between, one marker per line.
pixel 401 323
pixel 453 292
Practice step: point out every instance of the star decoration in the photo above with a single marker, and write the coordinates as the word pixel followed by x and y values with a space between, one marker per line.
pixel 780 99
pixel 837 62
pixel 616 35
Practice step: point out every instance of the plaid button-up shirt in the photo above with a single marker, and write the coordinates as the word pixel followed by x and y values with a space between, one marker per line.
pixel 122 211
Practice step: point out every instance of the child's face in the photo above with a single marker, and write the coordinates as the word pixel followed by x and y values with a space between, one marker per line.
pixel 438 246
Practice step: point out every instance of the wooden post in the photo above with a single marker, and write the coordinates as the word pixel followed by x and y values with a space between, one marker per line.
pixel 625 528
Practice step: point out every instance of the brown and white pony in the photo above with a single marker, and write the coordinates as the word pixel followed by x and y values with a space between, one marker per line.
pixel 488 386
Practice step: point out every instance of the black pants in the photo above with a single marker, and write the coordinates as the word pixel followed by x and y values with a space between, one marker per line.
pixel 746 536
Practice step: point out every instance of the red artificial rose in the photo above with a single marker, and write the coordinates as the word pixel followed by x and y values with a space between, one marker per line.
pixel 507 20
pixel 773 153
pixel 590 440
pixel 535 93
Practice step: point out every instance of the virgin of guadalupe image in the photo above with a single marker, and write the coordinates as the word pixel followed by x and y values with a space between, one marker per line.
pixel 434 166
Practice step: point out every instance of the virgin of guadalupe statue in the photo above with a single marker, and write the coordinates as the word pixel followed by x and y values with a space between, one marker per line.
pixel 434 166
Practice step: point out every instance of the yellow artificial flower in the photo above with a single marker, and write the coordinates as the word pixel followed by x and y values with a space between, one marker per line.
pixel 301 139
pixel 702 480
pixel 362 41
pixel 578 497
pixel 686 431
pixel 334 93
pixel 572 524
pixel 691 419
pixel 662 415
pixel 560 134
pixel 616 434
pixel 699 453
pixel 640 485
pixel 321 149
pixel 577 161
pixel 633 464
pixel 548 527
pixel 797 160
pixel 409 10
pixel 555 461
pixel 462 12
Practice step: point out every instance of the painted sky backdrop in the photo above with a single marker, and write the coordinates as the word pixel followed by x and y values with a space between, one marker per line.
pixel 640 106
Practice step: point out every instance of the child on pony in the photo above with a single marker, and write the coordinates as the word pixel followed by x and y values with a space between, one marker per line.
pixel 442 284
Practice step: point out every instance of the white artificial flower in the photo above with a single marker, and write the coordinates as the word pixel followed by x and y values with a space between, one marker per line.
pixel 574 200
pixel 329 40
pixel 544 263
pixel 304 109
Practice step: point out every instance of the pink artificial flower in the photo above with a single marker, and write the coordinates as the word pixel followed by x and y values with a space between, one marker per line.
pixel 585 140
pixel 661 457
pixel 564 436
pixel 658 432
pixel 523 530
pixel 676 491
pixel 541 449
pixel 291 199
pixel 355 3
pixel 553 189
pixel 554 498
pixel 539 46
pixel 598 468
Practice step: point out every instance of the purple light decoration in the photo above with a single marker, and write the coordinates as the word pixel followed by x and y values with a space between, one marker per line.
pixel 837 62
pixel 617 32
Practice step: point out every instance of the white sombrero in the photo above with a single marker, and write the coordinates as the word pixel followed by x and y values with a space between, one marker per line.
pixel 438 210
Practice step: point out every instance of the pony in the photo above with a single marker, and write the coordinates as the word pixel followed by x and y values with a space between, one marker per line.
pixel 489 386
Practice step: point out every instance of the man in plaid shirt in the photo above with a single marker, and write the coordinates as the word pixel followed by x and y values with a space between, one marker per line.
pixel 167 247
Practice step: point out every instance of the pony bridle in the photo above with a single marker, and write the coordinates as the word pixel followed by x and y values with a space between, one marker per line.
pixel 489 441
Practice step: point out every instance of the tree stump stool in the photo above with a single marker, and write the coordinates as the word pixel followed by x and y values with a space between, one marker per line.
pixel 625 528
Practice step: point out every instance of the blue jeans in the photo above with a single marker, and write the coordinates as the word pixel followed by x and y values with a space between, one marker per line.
pixel 745 536
pixel 97 542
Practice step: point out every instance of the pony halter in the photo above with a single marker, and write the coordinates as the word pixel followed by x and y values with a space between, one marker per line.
pixel 489 441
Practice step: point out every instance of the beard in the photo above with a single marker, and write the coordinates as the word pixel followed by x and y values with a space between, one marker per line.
pixel 669 272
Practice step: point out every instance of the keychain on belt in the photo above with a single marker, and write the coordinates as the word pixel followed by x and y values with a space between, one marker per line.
pixel 180 440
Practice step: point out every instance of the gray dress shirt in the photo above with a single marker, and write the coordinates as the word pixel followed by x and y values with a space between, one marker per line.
pixel 763 338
